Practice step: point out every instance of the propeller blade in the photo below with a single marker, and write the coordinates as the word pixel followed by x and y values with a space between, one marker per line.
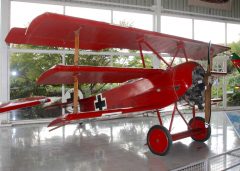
pixel 208 103
pixel 208 90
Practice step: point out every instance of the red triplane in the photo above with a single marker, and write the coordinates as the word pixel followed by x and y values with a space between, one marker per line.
pixel 142 89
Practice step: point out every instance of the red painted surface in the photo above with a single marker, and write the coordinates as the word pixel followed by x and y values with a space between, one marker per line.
pixel 23 103
pixel 181 135
pixel 62 74
pixel 159 117
pixel 236 63
pixel 173 114
pixel 57 30
pixel 156 89
pixel 185 134
pixel 94 114
pixel 200 125
pixel 152 92
pixel 158 141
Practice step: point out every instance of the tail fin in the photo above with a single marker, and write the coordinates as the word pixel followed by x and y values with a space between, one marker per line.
pixel 236 61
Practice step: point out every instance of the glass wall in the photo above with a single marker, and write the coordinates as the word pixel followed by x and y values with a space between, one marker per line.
pixel 25 68
pixel 89 13
pixel 22 13
pixel 177 26
pixel 214 32
pixel 142 21
pixel 209 31
pixel 233 33
pixel 233 79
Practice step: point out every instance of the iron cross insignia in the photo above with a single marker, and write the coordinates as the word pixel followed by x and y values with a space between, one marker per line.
pixel 100 103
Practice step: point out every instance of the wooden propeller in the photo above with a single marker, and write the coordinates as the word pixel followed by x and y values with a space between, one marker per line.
pixel 208 90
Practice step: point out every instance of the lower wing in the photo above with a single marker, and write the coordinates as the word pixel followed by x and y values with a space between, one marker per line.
pixel 23 103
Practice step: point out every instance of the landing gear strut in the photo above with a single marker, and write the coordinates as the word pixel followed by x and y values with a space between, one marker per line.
pixel 159 138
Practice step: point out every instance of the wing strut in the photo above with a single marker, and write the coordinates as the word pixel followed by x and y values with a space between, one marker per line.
pixel 185 53
pixel 141 53
pixel 175 55
pixel 76 56
pixel 180 46
pixel 155 52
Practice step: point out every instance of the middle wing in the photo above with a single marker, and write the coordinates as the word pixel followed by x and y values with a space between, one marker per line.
pixel 63 74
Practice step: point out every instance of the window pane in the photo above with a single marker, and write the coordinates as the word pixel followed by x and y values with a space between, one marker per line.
pixel 25 68
pixel 89 13
pixel 233 88
pixel 209 31
pixel 176 26
pixel 233 33
pixel 142 21
pixel 22 13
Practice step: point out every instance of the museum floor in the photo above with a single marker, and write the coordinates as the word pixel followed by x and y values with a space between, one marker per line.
pixel 111 145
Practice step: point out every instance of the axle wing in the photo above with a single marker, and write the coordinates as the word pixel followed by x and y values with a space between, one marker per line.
pixel 69 118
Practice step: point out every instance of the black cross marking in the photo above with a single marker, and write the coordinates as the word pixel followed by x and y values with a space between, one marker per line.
pixel 100 103
pixel 71 97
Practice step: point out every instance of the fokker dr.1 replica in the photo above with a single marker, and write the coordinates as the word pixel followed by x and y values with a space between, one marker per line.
pixel 141 89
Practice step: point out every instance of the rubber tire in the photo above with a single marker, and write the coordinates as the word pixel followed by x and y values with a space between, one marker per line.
pixel 162 144
pixel 202 137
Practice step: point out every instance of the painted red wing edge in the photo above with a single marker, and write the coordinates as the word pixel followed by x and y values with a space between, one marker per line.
pixel 63 74
pixel 23 103
pixel 69 118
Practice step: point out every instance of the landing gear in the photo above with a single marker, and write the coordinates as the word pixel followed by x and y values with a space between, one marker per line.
pixel 159 140
pixel 199 123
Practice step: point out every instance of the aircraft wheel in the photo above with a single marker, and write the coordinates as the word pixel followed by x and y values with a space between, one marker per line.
pixel 159 140
pixel 199 122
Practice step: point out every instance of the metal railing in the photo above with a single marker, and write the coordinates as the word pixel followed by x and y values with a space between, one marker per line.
pixel 229 160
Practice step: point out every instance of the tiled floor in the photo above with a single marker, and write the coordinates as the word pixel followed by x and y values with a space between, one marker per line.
pixel 117 145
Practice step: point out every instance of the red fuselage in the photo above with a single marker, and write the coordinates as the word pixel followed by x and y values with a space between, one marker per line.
pixel 154 92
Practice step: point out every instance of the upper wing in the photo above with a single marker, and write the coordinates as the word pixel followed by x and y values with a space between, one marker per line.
pixel 58 30
pixel 23 103
pixel 63 74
